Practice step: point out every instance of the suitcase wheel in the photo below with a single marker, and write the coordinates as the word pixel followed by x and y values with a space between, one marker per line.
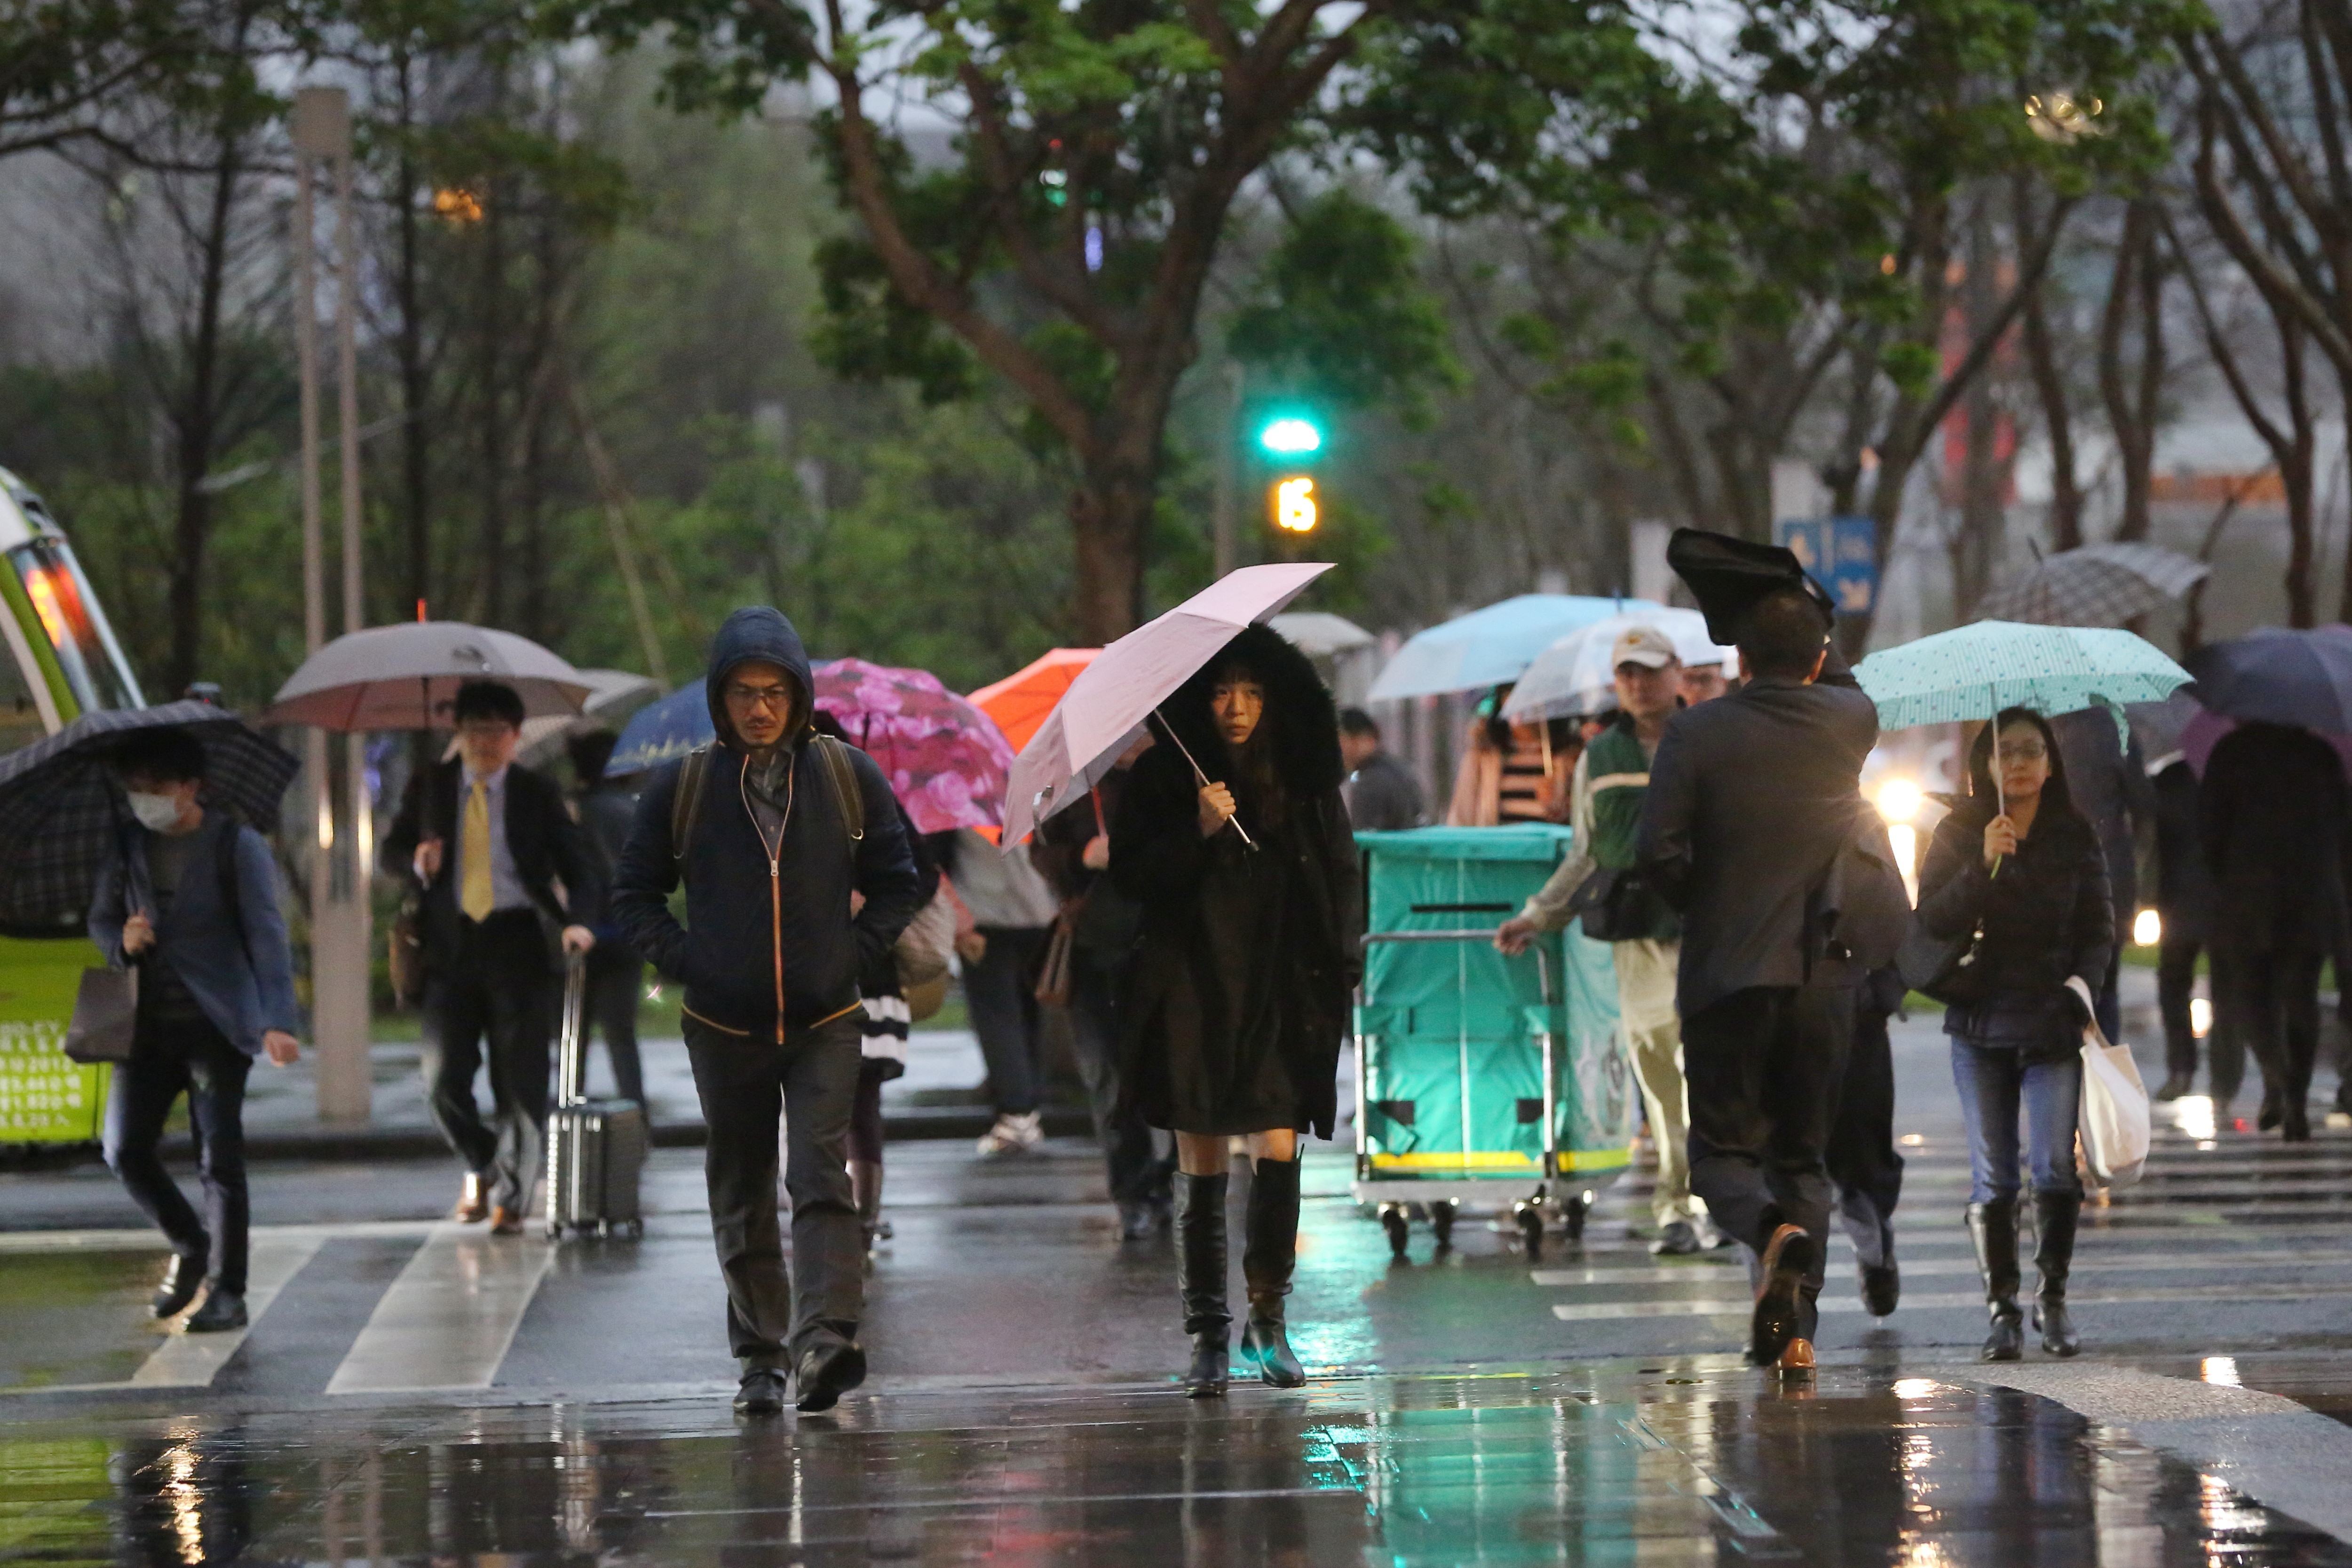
pixel 1575 1216
pixel 1392 1220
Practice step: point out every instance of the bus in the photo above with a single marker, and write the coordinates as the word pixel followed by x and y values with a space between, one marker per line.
pixel 60 661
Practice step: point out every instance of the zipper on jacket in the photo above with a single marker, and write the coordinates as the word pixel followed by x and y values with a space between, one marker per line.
pixel 775 870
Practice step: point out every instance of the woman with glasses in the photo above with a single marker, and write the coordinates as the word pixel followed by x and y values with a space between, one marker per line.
pixel 2017 873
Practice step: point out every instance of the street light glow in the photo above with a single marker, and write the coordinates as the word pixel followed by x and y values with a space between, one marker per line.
pixel 1291 436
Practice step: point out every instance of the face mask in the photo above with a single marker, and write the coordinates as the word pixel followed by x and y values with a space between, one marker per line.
pixel 154 812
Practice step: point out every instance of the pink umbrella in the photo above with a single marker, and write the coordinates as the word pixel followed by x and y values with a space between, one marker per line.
pixel 945 759
pixel 1100 715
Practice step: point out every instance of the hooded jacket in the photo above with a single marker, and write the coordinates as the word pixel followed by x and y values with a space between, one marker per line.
pixel 766 945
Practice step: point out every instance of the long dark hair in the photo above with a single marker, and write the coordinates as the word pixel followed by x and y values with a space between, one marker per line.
pixel 1294 753
pixel 2056 798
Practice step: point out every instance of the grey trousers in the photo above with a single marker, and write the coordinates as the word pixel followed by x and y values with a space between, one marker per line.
pixel 812 1080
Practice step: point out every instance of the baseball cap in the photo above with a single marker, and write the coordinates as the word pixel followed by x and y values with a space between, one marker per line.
pixel 1645 645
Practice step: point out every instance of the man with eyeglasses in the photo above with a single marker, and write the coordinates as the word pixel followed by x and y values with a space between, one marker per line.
pixel 488 841
pixel 796 871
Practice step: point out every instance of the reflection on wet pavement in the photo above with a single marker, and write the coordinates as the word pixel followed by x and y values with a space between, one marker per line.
pixel 1676 1462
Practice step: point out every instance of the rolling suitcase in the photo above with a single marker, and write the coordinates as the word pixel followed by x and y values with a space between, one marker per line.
pixel 596 1148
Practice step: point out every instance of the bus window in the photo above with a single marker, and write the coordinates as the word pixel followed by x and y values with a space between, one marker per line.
pixel 75 624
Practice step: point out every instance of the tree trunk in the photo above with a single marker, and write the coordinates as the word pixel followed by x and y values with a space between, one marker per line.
pixel 198 421
pixel 1110 522
pixel 2131 402
pixel 414 385
pixel 2049 386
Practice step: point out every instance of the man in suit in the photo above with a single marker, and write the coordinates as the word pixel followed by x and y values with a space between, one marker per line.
pixel 1752 798
pixel 489 841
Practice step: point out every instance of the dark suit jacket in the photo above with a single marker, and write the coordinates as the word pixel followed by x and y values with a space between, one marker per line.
pixel 546 844
pixel 1751 798
pixel 2271 817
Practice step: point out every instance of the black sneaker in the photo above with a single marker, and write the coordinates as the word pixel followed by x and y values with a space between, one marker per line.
pixel 827 1372
pixel 763 1392
pixel 222 1311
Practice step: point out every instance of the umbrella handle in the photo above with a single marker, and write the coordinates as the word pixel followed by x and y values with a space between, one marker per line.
pixel 1234 821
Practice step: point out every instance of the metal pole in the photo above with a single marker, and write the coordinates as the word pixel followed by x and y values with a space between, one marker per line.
pixel 1226 532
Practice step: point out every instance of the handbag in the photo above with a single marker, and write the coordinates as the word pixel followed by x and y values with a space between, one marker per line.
pixel 1053 988
pixel 105 1016
pixel 1941 967
pixel 921 955
pixel 1616 905
pixel 2114 1119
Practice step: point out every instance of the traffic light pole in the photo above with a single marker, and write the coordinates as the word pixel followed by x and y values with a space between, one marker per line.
pixel 1224 524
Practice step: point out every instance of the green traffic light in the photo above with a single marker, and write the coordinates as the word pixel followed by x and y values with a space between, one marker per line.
pixel 1290 437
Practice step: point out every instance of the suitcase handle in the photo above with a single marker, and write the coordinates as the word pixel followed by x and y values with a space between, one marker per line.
pixel 571 1051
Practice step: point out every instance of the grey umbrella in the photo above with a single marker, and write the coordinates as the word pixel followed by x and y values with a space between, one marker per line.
pixel 2280 676
pixel 406 675
pixel 2096 585
pixel 62 812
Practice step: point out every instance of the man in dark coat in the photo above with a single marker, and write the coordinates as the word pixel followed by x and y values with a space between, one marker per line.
pixel 2271 812
pixel 2108 780
pixel 770 848
pixel 2184 901
pixel 1752 798
pixel 489 840
pixel 1380 790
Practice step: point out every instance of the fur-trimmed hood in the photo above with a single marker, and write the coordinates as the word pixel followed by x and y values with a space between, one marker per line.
pixel 1306 722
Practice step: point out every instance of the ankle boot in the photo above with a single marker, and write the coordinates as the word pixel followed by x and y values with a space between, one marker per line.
pixel 2055 1215
pixel 1201 1275
pixel 865 1188
pixel 1993 1227
pixel 1268 1255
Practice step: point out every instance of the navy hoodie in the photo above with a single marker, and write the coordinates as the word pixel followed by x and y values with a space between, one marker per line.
pixel 761 949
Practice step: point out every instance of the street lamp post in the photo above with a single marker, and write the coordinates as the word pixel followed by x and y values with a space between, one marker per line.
pixel 339 917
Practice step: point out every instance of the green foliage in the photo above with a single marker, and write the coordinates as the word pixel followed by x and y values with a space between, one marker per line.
pixel 869 332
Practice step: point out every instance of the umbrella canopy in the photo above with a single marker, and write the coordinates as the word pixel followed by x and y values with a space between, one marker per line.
pixel 1574 675
pixel 1318 634
pixel 661 730
pixel 1098 717
pixel 2204 732
pixel 1489 646
pixel 2280 675
pixel 406 675
pixel 2095 585
pixel 945 759
pixel 62 810
pixel 1020 701
pixel 1975 671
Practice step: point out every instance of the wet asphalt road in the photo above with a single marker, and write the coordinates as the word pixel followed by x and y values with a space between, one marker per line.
pixel 415 1391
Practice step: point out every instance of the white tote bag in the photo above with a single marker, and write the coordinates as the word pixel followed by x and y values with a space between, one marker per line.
pixel 2115 1114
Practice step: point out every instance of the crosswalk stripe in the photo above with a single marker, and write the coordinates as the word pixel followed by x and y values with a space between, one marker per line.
pixel 2084 1262
pixel 446 1320
pixel 1736 1308
pixel 193 1360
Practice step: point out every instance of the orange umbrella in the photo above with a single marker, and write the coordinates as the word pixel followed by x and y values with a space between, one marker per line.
pixel 1020 701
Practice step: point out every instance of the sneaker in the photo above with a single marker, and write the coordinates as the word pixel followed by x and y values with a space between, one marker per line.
pixel 1679 1239
pixel 1010 1135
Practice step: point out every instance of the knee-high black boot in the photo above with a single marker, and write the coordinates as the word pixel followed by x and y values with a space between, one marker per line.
pixel 1269 1255
pixel 1201 1274
pixel 2055 1215
pixel 1993 1227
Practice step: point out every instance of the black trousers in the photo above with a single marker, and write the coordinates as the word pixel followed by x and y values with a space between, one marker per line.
pixel 2176 987
pixel 1764 1067
pixel 494 990
pixel 1132 1162
pixel 615 977
pixel 811 1080
pixel 168 1060
pixel 998 990
pixel 1860 1157
pixel 2268 1003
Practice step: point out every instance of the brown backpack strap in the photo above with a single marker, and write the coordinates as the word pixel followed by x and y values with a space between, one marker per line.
pixel 686 803
pixel 844 775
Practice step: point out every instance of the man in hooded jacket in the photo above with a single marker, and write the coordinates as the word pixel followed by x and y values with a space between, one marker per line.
pixel 771 851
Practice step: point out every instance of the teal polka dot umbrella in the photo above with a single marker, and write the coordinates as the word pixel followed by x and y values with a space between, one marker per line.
pixel 1975 671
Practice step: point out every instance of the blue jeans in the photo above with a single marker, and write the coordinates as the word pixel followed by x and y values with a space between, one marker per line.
pixel 1991 1083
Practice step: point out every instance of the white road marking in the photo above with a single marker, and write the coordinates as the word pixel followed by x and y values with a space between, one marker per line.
pixel 447 1321
pixel 1728 1306
pixel 2084 1263
pixel 193 1360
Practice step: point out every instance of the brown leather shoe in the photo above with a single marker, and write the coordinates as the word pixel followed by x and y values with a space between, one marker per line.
pixel 1788 1259
pixel 1797 1359
pixel 505 1222
pixel 473 1205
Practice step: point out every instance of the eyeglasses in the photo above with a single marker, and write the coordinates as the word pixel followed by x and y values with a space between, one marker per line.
pixel 2024 751
pixel 776 697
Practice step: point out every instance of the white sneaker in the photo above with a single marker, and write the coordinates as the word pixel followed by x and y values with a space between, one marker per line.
pixel 1010 1135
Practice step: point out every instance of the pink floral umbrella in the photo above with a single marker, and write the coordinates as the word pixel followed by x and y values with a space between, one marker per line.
pixel 945 759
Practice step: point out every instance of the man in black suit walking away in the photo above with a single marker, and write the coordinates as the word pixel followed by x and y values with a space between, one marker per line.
pixel 1752 798
pixel 489 841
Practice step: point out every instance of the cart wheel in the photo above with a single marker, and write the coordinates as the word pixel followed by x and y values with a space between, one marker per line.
pixel 1531 1228
pixel 1441 1220
pixel 1575 1218
pixel 1392 1220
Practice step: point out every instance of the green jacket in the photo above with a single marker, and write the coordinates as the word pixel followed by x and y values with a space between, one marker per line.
pixel 1612 778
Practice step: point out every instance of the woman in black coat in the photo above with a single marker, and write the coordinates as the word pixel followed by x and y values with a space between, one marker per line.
pixel 1238 991
pixel 2029 884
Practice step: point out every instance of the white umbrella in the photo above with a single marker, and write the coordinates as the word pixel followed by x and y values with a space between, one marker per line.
pixel 615 694
pixel 1320 634
pixel 1488 646
pixel 1098 716
pixel 406 675
pixel 1574 675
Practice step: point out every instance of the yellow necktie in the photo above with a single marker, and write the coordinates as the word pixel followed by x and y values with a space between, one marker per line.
pixel 474 895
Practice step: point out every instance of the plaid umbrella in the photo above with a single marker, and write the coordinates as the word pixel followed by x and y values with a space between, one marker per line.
pixel 62 811
pixel 2097 586
pixel 945 759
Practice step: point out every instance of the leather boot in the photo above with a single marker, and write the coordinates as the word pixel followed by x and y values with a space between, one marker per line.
pixel 1268 1255
pixel 1993 1227
pixel 2055 1215
pixel 1201 1275
pixel 865 1188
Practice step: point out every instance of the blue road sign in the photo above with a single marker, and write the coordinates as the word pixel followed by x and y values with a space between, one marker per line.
pixel 1841 554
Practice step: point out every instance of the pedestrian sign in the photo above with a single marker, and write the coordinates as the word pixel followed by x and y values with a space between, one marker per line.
pixel 1841 554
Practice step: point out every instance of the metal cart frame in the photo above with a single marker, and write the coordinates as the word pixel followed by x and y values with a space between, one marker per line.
pixel 1529 1204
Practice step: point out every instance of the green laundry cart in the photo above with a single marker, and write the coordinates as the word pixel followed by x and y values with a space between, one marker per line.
pixel 1480 1078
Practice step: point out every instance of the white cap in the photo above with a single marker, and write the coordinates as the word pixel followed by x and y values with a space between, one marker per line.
pixel 1645 645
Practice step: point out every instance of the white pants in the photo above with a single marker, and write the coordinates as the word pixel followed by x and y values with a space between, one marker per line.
pixel 1652 1033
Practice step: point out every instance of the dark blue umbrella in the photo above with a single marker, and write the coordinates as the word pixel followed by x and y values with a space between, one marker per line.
pixel 2280 676
pixel 659 731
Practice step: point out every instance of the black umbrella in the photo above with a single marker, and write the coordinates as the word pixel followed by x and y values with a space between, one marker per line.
pixel 2280 676
pixel 1727 575
pixel 62 812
